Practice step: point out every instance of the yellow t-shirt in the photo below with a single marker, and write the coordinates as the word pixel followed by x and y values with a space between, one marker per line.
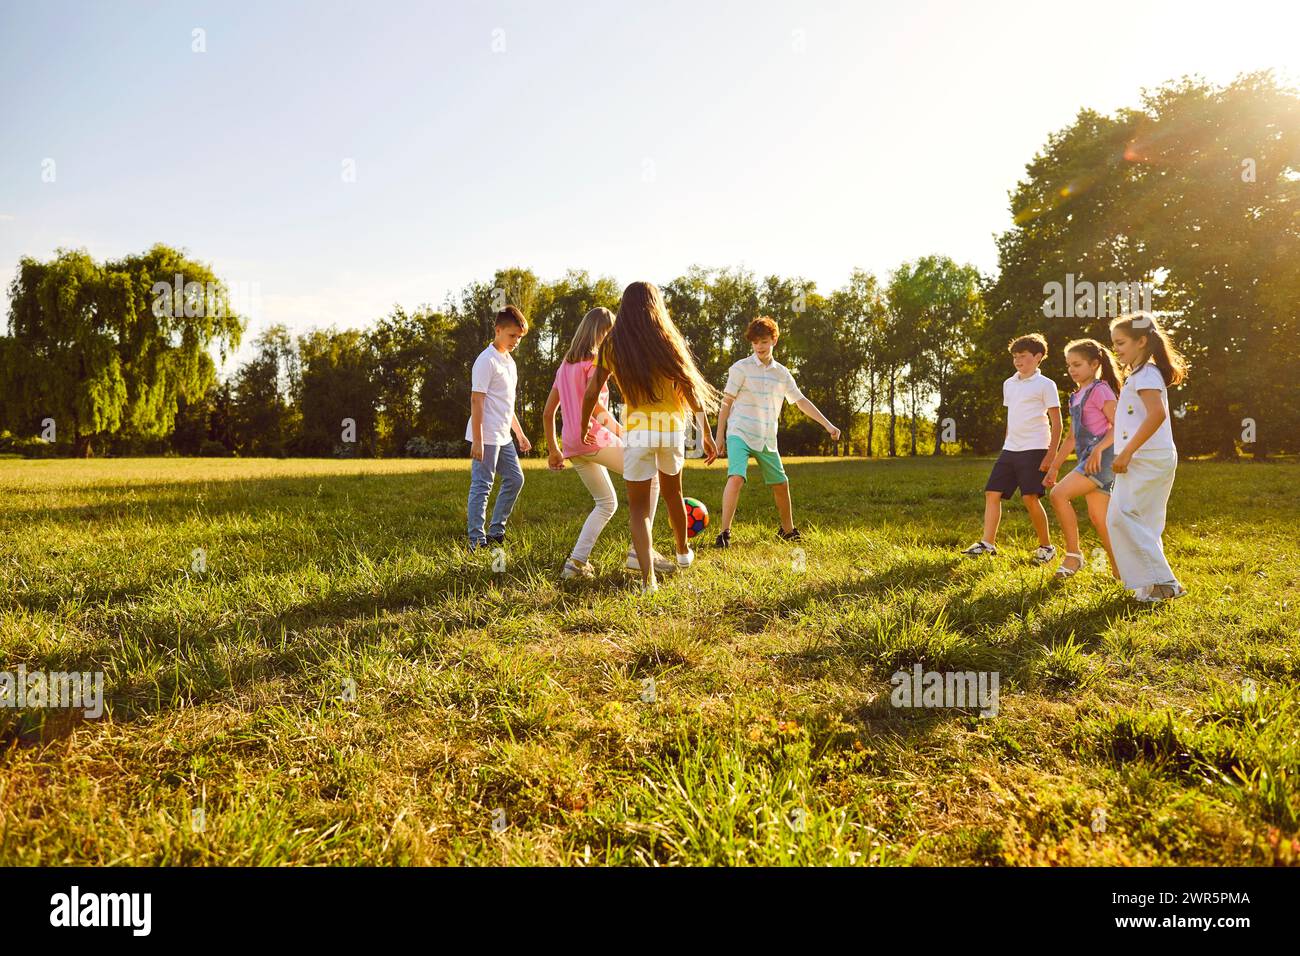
pixel 660 424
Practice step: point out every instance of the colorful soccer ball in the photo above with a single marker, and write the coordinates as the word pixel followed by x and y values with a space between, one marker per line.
pixel 697 517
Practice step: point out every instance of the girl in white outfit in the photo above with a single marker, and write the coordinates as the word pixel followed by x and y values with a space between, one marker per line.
pixel 1145 457
pixel 593 454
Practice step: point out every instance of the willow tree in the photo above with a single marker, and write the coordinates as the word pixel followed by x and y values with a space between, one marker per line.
pixel 103 349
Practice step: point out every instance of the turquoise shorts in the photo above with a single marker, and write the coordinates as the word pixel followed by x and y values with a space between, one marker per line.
pixel 769 462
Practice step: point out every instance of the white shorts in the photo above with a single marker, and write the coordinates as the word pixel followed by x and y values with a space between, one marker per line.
pixel 642 463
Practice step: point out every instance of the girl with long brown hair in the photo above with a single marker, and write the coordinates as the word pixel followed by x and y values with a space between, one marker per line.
pixel 593 452
pixel 1145 456
pixel 651 363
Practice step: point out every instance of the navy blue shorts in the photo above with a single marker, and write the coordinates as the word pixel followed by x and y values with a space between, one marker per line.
pixel 1018 469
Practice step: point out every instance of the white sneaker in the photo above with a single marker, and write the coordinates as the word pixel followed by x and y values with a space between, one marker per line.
pixel 980 548
pixel 652 588
pixel 1148 595
pixel 662 564
pixel 687 559
pixel 1044 553
pixel 578 569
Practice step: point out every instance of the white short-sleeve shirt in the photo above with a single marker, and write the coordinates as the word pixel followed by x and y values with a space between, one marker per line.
pixel 759 392
pixel 495 376
pixel 1027 401
pixel 1131 412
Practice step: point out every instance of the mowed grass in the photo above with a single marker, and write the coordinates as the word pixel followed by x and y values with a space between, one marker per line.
pixel 740 716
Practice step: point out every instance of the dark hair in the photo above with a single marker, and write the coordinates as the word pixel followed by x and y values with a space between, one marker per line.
pixel 1033 343
pixel 512 316
pixel 1094 351
pixel 762 327
pixel 1160 350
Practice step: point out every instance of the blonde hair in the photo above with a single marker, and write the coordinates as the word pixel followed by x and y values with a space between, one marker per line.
pixel 591 331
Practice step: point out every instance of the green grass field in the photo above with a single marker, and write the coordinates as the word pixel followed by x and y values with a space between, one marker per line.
pixel 500 718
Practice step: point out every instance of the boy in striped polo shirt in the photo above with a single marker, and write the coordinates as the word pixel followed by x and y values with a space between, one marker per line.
pixel 751 411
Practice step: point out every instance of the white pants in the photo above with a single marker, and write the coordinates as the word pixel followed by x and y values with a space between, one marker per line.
pixel 1136 520
pixel 594 471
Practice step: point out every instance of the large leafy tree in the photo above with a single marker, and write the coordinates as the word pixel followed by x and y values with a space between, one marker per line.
pixel 1195 192
pixel 338 386
pixel 265 415
pixel 938 310
pixel 99 349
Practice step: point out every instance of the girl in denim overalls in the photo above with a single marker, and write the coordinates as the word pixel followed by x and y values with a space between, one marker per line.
pixel 1092 438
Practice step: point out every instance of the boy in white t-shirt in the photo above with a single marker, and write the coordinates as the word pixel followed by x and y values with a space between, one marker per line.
pixel 757 388
pixel 491 421
pixel 1033 405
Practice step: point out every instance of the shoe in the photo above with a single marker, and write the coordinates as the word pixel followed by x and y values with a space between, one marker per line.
pixel 687 559
pixel 475 545
pixel 662 564
pixel 979 548
pixel 497 538
pixel 723 540
pixel 578 569
pixel 1063 572
pixel 1044 553
pixel 1154 593
pixel 651 588
pixel 791 535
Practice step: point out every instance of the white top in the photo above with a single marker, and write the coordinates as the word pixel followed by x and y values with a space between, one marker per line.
pixel 1027 401
pixel 758 390
pixel 1131 412
pixel 496 377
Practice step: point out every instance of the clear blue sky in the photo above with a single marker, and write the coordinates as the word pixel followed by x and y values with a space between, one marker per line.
pixel 628 139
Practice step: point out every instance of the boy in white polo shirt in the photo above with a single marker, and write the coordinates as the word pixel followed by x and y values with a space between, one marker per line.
pixel 492 419
pixel 1033 405
pixel 756 388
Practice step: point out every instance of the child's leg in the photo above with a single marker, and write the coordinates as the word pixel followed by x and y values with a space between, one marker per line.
pixel 730 499
pixel 1037 517
pixel 992 515
pixel 775 478
pixel 512 482
pixel 1062 497
pixel 638 508
pixel 1135 518
pixel 781 493
pixel 654 502
pixel 481 476
pixel 596 477
pixel 672 493
pixel 737 466
pixel 612 458
pixel 1098 501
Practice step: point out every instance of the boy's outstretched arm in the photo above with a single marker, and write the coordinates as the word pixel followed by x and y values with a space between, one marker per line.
pixel 1053 416
pixel 813 412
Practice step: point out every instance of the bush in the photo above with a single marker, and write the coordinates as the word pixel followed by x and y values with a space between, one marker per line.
pixel 419 447
pixel 213 449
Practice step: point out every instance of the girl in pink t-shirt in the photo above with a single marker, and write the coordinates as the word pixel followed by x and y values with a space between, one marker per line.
pixel 1092 438
pixel 595 453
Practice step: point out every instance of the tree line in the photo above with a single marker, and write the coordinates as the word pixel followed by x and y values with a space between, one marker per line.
pixel 1193 195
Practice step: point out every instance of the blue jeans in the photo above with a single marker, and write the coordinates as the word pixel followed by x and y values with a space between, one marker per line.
pixel 496 458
